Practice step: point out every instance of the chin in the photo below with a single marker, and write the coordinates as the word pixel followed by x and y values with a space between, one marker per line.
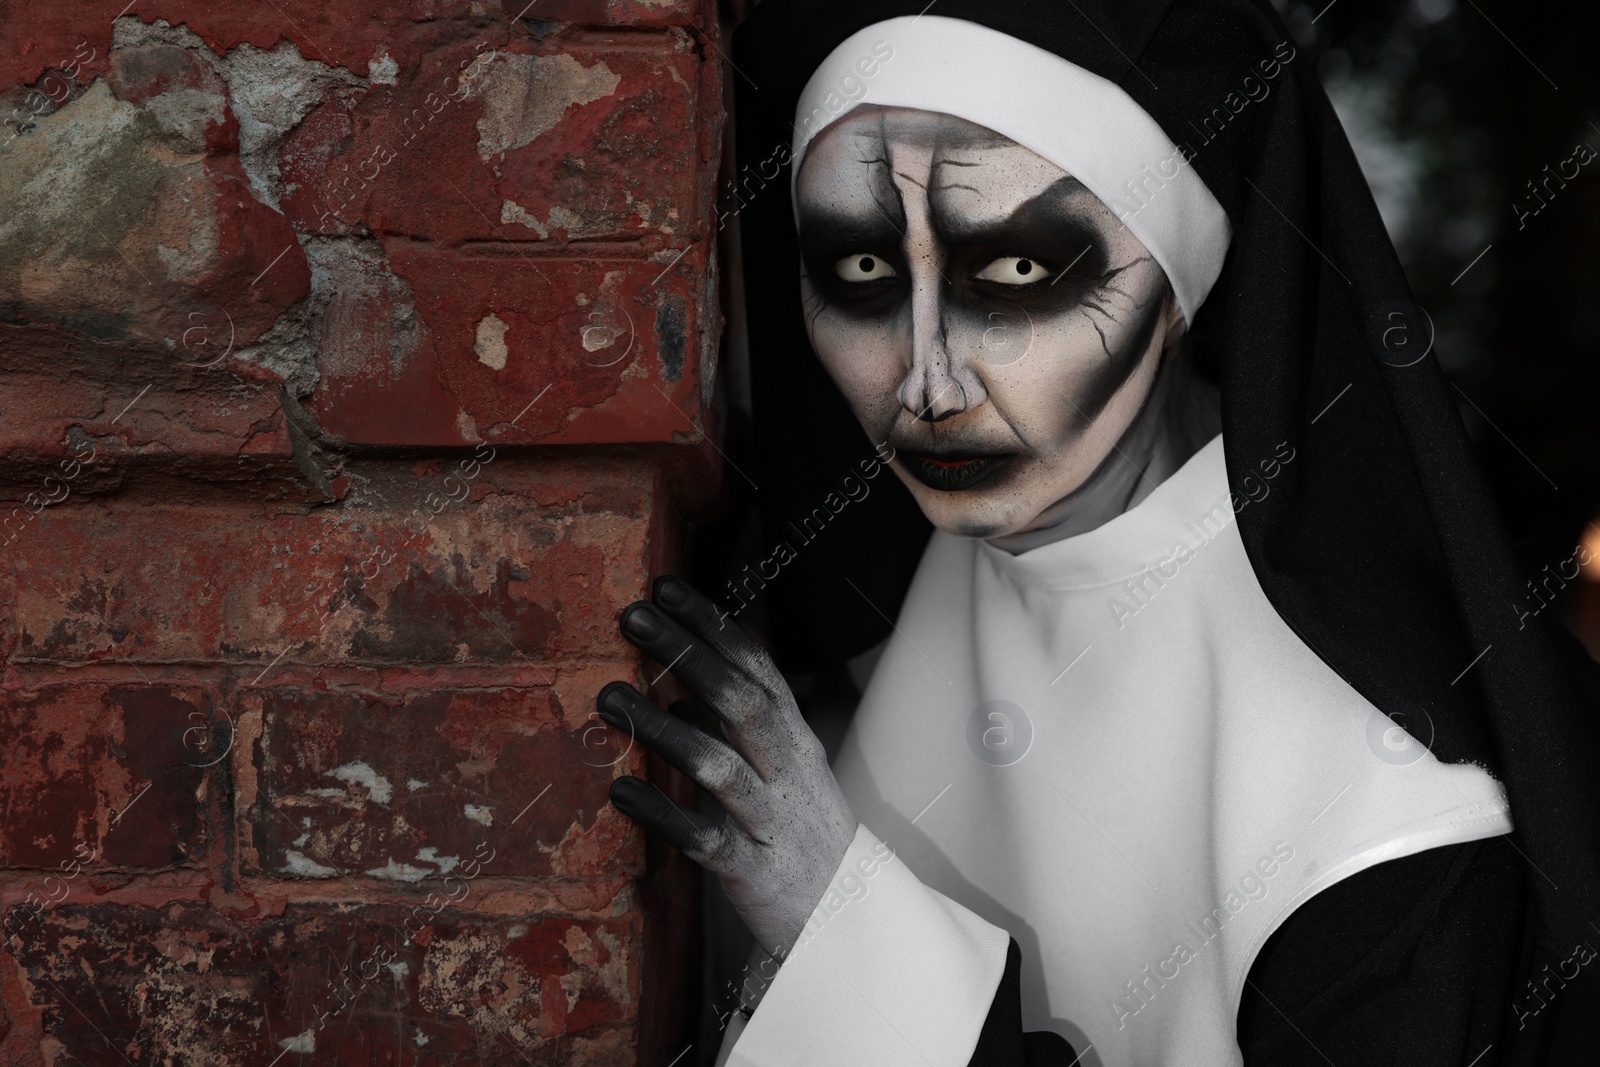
pixel 978 523
pixel 974 513
pixel 977 530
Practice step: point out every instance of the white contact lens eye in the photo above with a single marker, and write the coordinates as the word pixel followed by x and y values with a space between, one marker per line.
pixel 1013 270
pixel 863 268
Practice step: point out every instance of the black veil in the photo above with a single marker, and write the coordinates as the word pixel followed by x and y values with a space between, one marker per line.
pixel 1380 545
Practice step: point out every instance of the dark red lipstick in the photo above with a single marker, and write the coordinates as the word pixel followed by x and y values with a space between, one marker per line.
pixel 952 472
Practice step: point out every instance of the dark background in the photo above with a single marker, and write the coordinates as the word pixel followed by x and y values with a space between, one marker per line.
pixel 1454 106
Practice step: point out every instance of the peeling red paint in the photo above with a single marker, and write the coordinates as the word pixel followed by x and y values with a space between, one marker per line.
pixel 181 985
pixel 585 329
pixel 414 788
pixel 75 757
pixel 309 645
pixel 503 580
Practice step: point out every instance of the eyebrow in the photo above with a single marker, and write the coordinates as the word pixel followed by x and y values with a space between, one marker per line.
pixel 1046 210
pixel 942 159
pixel 834 226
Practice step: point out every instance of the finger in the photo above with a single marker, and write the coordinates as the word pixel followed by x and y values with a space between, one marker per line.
pixel 656 814
pixel 701 616
pixel 711 763
pixel 698 717
pixel 706 673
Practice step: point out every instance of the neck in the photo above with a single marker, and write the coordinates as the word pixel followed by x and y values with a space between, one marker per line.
pixel 1181 414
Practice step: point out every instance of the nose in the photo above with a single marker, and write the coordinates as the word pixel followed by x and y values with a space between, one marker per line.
pixel 940 383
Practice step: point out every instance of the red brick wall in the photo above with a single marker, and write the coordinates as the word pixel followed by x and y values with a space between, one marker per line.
pixel 356 362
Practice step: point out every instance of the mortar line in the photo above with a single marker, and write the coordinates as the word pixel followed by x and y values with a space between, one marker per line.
pixel 550 681
pixel 273 664
pixel 340 872
pixel 674 263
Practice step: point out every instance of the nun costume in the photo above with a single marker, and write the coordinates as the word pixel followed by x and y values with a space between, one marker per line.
pixel 1235 751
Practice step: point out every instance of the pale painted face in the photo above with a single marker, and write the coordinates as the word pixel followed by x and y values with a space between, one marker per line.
pixel 981 311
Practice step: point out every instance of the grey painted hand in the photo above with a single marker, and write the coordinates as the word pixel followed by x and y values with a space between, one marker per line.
pixel 788 825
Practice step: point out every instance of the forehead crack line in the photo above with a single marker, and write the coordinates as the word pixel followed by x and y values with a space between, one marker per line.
pixel 890 174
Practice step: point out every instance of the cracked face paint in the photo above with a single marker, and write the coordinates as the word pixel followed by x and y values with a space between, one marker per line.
pixel 979 308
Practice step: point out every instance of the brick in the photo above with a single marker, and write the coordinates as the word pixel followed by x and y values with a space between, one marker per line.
pixel 620 12
pixel 443 329
pixel 144 227
pixel 536 568
pixel 429 326
pixel 575 143
pixel 516 349
pixel 405 790
pixel 351 35
pixel 624 166
pixel 73 756
pixel 224 421
pixel 335 985
pixel 330 605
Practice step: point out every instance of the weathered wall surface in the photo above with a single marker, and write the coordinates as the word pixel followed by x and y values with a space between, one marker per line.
pixel 355 371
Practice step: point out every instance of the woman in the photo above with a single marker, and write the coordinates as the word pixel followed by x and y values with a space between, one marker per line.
pixel 1187 747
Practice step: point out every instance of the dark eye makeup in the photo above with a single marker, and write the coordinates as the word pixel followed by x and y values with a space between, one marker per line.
pixel 1046 255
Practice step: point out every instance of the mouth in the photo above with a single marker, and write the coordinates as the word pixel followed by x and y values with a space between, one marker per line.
pixel 951 472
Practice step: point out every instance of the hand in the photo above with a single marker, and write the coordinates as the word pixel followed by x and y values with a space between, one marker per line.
pixel 788 825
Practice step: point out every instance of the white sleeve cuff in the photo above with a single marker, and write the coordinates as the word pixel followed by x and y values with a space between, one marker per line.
pixel 887 972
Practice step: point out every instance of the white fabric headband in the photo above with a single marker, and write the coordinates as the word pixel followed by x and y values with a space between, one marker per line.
pixel 1079 121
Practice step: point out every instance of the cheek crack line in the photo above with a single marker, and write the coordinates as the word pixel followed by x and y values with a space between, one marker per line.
pixel 1114 271
pixel 1091 305
pixel 1103 343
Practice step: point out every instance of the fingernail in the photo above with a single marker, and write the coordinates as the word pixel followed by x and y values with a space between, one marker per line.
pixel 613 703
pixel 672 592
pixel 642 621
